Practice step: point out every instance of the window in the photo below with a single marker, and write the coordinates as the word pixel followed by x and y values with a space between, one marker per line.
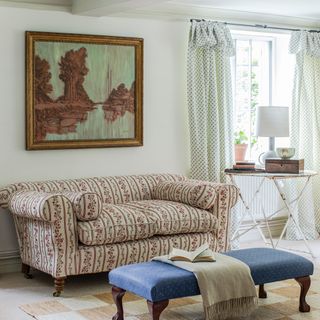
pixel 258 71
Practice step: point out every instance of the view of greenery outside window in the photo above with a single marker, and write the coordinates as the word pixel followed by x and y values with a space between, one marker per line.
pixel 252 84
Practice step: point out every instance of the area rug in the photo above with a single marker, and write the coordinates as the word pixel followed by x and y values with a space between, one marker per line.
pixel 281 304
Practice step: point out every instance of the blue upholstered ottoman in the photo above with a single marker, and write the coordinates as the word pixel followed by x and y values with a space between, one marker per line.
pixel 158 282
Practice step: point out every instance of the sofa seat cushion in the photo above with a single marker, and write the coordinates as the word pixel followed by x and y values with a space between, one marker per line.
pixel 143 219
pixel 176 218
pixel 117 223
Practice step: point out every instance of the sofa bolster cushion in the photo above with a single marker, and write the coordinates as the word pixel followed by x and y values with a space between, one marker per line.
pixel 200 194
pixel 86 205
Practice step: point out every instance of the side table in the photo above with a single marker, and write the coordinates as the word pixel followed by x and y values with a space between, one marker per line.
pixel 289 205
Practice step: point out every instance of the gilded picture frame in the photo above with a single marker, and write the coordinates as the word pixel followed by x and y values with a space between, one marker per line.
pixel 83 91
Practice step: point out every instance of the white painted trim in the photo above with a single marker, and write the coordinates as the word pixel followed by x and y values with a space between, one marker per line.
pixel 173 11
pixel 35 6
pixel 99 8
pixel 5 255
pixel 179 12
pixel 276 225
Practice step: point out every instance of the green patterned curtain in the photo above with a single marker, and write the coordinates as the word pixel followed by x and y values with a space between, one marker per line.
pixel 210 99
pixel 305 126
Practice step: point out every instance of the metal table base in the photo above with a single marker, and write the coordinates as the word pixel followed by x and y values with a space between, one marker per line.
pixel 289 205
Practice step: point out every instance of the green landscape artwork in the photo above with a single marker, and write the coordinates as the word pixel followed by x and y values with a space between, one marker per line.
pixel 84 92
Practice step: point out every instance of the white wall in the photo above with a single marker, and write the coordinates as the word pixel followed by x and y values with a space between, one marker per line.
pixel 165 116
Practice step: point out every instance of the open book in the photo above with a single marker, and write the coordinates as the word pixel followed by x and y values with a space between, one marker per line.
pixel 202 254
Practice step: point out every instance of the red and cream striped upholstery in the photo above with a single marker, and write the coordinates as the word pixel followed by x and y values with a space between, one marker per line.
pixel 117 223
pixel 34 204
pixel 118 189
pixel 86 205
pixel 143 219
pixel 52 216
pixel 107 257
pixel 196 193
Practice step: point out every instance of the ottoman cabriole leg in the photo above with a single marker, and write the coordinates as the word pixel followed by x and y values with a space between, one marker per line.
pixel 262 292
pixel 117 294
pixel 25 269
pixel 155 308
pixel 304 283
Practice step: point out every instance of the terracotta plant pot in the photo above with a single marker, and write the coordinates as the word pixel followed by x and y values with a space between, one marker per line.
pixel 240 151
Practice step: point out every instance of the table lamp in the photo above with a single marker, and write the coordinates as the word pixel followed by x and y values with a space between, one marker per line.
pixel 271 122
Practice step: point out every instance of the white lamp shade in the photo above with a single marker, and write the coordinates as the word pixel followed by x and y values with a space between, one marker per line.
pixel 272 122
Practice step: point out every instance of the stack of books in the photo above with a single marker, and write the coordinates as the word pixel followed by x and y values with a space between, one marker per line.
pixel 244 166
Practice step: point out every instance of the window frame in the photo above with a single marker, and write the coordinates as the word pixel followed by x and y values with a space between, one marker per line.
pixel 272 42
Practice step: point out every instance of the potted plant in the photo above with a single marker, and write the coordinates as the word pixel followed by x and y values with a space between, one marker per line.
pixel 240 145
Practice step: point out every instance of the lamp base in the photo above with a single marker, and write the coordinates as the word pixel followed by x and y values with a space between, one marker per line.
pixel 266 155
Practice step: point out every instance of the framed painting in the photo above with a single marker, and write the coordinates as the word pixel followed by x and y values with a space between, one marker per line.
pixel 83 91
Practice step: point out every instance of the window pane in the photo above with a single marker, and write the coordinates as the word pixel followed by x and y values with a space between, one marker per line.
pixel 252 88
pixel 260 90
pixel 243 54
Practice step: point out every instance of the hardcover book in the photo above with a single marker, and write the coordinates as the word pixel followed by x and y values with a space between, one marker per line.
pixel 202 254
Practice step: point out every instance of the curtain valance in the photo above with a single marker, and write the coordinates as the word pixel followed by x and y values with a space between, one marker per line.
pixel 305 42
pixel 211 34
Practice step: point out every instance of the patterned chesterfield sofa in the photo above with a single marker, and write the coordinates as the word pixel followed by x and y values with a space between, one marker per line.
pixel 72 227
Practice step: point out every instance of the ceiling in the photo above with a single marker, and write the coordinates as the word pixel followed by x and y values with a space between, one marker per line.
pixel 280 12
pixel 294 8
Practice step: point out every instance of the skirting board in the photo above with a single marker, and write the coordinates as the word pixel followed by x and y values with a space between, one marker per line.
pixel 10 261
pixel 276 226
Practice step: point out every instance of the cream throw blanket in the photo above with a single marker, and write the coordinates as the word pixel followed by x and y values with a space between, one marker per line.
pixel 226 286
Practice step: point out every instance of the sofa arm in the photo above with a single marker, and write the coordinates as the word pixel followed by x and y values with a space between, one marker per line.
pixel 227 197
pixel 38 205
pixel 46 229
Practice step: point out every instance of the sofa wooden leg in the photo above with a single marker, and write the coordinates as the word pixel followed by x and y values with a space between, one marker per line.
pixel 155 308
pixel 117 294
pixel 58 286
pixel 304 283
pixel 25 269
pixel 262 292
